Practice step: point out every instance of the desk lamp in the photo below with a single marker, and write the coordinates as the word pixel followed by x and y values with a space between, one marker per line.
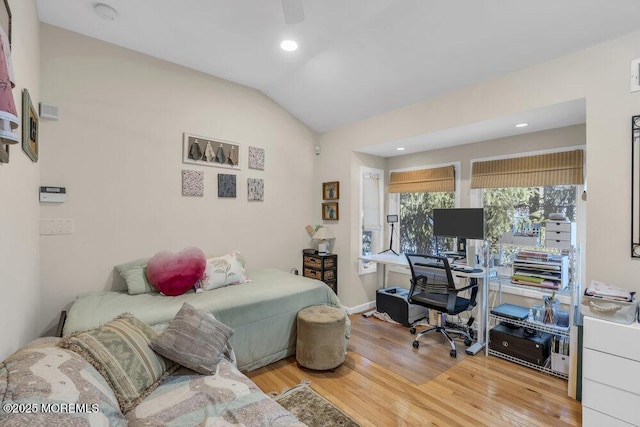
pixel 323 234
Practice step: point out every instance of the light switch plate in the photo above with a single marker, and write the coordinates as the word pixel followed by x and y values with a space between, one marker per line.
pixel 53 226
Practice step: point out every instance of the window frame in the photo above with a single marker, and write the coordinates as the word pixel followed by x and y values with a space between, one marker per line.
pixel 393 203
pixel 476 200
pixel 377 235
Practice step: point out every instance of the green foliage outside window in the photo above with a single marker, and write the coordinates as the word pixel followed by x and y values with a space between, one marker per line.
pixel 416 234
pixel 507 209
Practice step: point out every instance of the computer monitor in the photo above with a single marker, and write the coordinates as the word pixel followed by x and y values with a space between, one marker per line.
pixel 467 223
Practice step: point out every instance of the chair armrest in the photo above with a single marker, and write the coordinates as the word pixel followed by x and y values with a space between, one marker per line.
pixel 473 284
pixel 453 295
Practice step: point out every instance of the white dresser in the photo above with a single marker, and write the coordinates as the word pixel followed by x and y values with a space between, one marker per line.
pixel 610 374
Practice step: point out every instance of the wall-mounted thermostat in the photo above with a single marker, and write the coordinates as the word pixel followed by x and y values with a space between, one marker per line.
pixel 53 194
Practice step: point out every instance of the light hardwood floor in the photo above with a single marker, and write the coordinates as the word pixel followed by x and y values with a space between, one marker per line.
pixel 385 382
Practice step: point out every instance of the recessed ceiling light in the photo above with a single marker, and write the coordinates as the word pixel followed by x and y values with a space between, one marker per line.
pixel 105 11
pixel 289 45
pixel 521 125
pixel 400 148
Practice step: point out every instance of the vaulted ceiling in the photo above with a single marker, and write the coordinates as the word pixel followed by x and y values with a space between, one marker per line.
pixel 356 58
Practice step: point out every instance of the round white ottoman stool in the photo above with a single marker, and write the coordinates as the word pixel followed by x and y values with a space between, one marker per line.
pixel 321 342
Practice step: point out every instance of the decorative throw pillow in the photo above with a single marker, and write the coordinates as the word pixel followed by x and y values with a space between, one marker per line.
pixel 225 270
pixel 120 351
pixel 135 276
pixel 194 338
pixel 174 274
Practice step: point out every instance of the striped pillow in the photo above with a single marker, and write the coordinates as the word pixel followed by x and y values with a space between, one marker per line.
pixel 195 339
pixel 120 351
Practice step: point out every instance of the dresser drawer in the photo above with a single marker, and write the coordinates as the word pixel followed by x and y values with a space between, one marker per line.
pixel 314 274
pixel 611 401
pixel 329 275
pixel 316 261
pixel 312 261
pixel 591 418
pixel 606 368
pixel 559 244
pixel 558 235
pixel 613 338
pixel 333 285
pixel 558 226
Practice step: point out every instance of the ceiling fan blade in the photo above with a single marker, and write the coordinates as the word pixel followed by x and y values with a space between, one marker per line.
pixel 293 11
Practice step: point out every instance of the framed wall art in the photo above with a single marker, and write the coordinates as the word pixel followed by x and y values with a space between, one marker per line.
pixel 205 151
pixel 331 190
pixel 30 127
pixel 226 185
pixel 192 183
pixel 5 26
pixel 256 158
pixel 330 211
pixel 255 189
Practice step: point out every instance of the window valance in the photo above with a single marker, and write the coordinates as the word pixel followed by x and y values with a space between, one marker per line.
pixel 423 180
pixel 564 168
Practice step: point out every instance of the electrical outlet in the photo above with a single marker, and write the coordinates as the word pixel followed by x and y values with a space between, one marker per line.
pixel 635 75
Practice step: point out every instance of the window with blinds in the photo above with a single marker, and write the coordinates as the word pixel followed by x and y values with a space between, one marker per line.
pixel 519 192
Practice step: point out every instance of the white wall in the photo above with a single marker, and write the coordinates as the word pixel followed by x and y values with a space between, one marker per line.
pixel 19 244
pixel 600 74
pixel 117 148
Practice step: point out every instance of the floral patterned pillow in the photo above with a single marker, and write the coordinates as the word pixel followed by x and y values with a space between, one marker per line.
pixel 223 271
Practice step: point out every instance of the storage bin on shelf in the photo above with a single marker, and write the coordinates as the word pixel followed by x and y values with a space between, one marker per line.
pixel 612 310
pixel 609 302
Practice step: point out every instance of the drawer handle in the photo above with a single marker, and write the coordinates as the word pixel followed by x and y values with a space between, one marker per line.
pixel 606 308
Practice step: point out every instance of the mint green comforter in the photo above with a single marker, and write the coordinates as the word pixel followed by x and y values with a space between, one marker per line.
pixel 261 312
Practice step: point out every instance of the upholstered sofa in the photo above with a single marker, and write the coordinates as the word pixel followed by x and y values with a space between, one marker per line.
pixel 44 384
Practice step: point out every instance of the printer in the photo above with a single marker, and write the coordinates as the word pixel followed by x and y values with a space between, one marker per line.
pixel 393 301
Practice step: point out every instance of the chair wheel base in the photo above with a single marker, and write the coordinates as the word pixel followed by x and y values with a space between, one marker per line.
pixel 412 331
pixel 416 344
pixel 453 353
pixel 467 342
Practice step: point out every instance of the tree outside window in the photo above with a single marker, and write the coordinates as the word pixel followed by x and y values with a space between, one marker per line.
pixel 416 232
pixel 512 209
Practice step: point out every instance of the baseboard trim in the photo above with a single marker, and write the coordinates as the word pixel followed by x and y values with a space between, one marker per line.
pixel 361 308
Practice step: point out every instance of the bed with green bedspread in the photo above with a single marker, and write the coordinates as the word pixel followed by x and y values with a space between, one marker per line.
pixel 262 312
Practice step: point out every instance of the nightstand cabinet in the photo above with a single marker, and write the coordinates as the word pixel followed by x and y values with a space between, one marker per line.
pixel 321 267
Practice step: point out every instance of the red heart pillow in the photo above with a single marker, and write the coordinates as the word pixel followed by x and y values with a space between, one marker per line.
pixel 174 274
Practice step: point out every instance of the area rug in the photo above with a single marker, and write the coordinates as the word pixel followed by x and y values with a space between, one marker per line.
pixel 313 409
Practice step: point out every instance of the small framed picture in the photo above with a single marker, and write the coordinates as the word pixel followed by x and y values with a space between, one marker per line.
pixel 331 190
pixel 30 127
pixel 330 211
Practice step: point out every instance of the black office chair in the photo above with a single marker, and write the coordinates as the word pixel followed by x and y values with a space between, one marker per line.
pixel 432 286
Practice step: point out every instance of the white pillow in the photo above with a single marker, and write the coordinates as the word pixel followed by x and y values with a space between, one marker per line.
pixel 225 270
